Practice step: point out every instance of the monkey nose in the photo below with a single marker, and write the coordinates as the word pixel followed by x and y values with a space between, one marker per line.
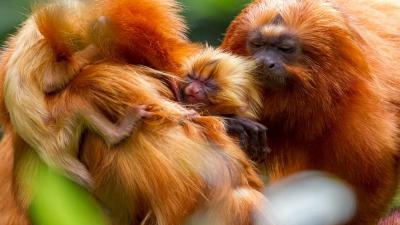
pixel 271 65
pixel 192 90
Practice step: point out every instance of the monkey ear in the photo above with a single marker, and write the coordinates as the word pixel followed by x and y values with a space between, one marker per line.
pixel 278 19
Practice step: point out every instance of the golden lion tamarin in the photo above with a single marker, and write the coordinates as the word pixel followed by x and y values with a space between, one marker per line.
pixel 172 165
pixel 42 64
pixel 331 75
pixel 219 83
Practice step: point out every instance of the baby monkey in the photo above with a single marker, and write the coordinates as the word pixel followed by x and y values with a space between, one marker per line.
pixel 220 83
pixel 43 62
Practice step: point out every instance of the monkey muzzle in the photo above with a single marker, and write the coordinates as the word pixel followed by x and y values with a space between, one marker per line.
pixel 272 76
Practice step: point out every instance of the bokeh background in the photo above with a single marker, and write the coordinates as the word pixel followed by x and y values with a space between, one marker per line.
pixel 208 19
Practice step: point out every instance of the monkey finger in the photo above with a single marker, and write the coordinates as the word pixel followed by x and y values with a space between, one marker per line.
pixel 263 140
pixel 238 129
pixel 258 139
pixel 267 149
pixel 254 139
pixel 261 127
pixel 244 140
pixel 136 109
pixel 258 133
pixel 192 114
pixel 147 114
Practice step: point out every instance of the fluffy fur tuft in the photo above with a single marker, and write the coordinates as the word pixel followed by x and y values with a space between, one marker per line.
pixel 126 31
pixel 57 22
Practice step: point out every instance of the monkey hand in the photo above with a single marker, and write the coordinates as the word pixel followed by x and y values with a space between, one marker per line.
pixel 128 123
pixel 252 136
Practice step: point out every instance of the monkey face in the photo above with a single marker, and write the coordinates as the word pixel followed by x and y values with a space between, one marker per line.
pixel 273 48
pixel 219 83
pixel 197 91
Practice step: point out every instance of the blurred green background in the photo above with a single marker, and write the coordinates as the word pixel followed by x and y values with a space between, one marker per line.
pixel 208 19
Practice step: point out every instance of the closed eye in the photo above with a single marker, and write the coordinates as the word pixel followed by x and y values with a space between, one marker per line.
pixel 190 77
pixel 254 44
pixel 287 49
pixel 211 85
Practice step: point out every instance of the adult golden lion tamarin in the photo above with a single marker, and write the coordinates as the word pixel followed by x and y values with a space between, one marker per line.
pixel 43 63
pixel 332 74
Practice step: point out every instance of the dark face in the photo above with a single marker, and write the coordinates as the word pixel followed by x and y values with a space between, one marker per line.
pixel 273 51
pixel 197 90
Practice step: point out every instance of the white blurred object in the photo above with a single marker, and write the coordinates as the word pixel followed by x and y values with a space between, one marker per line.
pixel 308 198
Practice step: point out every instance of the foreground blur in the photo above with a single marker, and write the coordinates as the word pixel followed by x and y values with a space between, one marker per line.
pixel 308 198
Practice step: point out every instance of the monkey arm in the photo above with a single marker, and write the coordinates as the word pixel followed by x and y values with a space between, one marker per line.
pixel 114 133
pixel 252 136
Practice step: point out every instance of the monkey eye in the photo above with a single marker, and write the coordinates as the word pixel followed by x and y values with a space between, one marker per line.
pixel 190 77
pixel 287 49
pixel 211 85
pixel 256 44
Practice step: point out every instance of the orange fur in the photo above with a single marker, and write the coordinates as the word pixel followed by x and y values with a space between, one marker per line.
pixel 41 63
pixel 10 213
pixel 63 35
pixel 145 32
pixel 341 112
pixel 236 88
pixel 5 55
pixel 37 66
pixel 171 166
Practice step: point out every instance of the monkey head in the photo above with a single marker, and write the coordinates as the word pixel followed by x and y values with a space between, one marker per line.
pixel 273 47
pixel 299 45
pixel 220 83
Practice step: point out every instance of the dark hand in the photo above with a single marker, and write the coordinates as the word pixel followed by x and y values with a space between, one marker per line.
pixel 252 136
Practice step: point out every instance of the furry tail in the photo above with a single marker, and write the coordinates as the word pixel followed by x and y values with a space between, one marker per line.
pixel 62 23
